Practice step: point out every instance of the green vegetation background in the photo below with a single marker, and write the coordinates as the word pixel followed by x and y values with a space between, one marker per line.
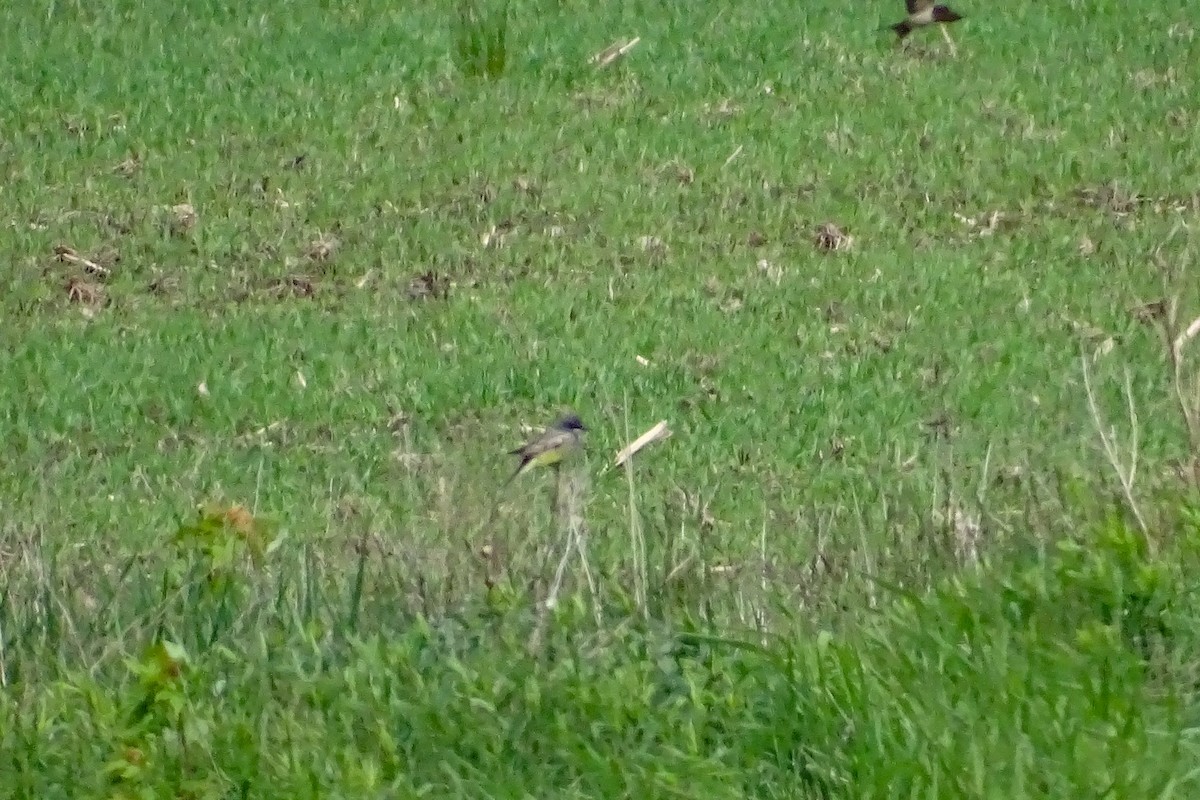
pixel 330 260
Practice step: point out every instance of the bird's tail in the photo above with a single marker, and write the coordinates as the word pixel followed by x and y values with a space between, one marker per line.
pixel 516 473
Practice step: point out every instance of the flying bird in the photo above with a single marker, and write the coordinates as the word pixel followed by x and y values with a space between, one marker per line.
pixel 922 13
pixel 550 447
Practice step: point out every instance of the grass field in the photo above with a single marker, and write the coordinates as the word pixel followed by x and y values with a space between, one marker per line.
pixel 303 265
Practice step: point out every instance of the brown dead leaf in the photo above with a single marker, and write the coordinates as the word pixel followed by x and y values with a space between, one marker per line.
pixel 162 285
pixel 85 293
pixel 831 238
pixel 121 226
pixel 837 447
pixel 239 518
pixel 322 248
pixel 526 186
pixel 129 167
pixel 652 244
pixel 429 285
pixel 732 304
pixel 701 363
pixel 1111 196
pixel 183 218
pixel 833 312
pixel 1151 312
pixel 1010 475
pixel 938 426
pixel 292 286
pixel 728 299
pixel 710 389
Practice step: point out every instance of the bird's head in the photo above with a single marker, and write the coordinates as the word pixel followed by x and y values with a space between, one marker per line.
pixel 571 422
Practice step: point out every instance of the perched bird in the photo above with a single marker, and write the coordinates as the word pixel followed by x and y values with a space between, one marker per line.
pixel 550 447
pixel 922 13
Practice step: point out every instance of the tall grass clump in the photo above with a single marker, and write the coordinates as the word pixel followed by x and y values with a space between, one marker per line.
pixel 1058 675
pixel 481 38
pixel 227 668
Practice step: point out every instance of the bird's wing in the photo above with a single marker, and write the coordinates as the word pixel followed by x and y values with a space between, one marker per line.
pixel 913 6
pixel 547 441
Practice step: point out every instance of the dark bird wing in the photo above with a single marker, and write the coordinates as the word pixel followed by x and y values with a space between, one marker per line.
pixel 547 441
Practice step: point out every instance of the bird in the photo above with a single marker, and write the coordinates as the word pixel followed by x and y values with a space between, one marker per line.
pixel 922 13
pixel 550 447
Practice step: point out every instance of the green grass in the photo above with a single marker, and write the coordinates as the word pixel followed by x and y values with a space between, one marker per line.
pixel 419 229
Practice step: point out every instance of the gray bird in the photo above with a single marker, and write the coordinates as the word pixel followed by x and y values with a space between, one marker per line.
pixel 550 447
